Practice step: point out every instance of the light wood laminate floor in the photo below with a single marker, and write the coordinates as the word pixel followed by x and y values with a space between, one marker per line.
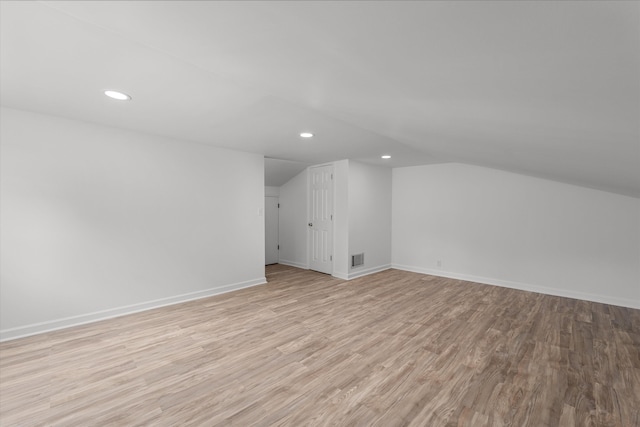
pixel 394 348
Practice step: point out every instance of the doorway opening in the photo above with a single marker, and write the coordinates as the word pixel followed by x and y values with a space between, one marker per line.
pixel 320 226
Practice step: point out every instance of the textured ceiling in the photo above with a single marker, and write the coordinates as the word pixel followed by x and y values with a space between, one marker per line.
pixel 548 89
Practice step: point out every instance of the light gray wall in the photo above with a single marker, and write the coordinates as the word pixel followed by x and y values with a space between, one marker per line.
pixel 293 221
pixel 512 230
pixel 341 219
pixel 98 221
pixel 271 191
pixel 369 204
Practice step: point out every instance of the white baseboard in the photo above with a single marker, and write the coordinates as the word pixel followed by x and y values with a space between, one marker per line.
pixel 366 272
pixel 360 273
pixel 67 322
pixel 293 264
pixel 340 275
pixel 604 299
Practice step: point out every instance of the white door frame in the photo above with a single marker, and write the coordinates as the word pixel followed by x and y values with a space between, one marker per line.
pixel 267 215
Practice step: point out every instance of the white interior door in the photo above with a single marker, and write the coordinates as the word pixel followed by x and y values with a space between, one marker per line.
pixel 271 230
pixel 320 219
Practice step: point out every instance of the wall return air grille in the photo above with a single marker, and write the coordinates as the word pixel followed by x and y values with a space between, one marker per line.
pixel 357 260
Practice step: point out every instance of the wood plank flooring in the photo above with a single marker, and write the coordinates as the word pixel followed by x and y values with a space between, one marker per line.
pixel 394 348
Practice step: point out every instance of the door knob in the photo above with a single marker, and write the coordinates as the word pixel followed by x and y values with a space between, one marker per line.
pixel 310 224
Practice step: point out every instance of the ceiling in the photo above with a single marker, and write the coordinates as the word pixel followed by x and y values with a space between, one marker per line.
pixel 547 89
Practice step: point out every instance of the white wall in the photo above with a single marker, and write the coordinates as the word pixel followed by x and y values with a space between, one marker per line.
pixel 271 191
pixel 369 204
pixel 293 221
pixel 341 219
pixel 516 231
pixel 98 221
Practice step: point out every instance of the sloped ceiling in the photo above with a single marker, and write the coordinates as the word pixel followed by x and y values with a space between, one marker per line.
pixel 548 89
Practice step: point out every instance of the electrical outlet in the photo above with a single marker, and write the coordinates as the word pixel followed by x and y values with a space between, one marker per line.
pixel 439 263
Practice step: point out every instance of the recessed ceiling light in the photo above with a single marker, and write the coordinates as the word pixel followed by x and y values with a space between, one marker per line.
pixel 306 134
pixel 386 156
pixel 117 95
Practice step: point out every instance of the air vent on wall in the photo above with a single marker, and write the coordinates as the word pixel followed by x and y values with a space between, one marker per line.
pixel 357 260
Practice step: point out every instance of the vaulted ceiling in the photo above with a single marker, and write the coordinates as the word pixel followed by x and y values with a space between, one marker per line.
pixel 548 89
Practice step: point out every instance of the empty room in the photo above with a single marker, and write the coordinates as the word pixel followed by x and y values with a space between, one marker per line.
pixel 372 213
